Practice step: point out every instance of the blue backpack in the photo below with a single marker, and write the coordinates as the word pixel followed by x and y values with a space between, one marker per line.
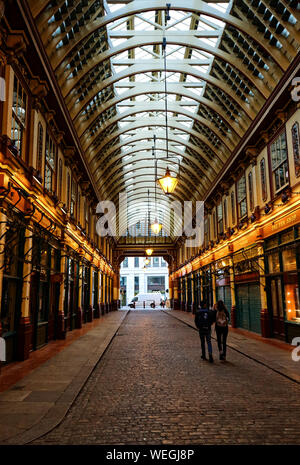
pixel 202 319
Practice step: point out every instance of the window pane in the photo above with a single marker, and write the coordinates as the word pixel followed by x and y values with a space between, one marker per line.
pixel 243 208
pixel 274 265
pixel 156 261
pixel 292 301
pixel 296 148
pixel 289 260
pixel 263 180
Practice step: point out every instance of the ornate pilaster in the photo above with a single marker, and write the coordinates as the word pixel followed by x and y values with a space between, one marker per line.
pixel 24 330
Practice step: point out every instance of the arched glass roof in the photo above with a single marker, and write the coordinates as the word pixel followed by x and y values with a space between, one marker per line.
pixel 223 61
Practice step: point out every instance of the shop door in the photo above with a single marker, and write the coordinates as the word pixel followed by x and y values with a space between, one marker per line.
pixel 223 293
pixel 277 307
pixel 10 306
pixel 39 310
pixel 248 307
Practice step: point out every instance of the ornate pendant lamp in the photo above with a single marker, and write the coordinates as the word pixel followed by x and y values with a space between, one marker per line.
pixel 168 182
pixel 149 252
pixel 156 226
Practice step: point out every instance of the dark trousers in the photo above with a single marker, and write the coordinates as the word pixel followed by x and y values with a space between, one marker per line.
pixel 222 333
pixel 205 336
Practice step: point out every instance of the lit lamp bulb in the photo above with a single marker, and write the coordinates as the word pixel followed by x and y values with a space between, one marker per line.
pixel 147 261
pixel 149 251
pixel 156 227
pixel 168 183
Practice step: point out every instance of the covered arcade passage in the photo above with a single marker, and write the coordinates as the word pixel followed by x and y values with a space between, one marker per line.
pixel 116 118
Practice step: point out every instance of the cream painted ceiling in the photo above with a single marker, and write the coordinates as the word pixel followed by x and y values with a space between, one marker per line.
pixel 223 61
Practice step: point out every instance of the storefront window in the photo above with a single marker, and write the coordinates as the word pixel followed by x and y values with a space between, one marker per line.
pixel 274 264
pixel 272 242
pixel 287 236
pixel 284 288
pixel 292 300
pixel 289 260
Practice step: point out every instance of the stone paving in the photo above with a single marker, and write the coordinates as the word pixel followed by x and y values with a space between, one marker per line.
pixel 151 387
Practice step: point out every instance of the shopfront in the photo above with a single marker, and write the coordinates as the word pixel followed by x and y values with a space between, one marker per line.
pixel 40 289
pixel 282 278
pixel 223 291
pixel 12 288
pixel 207 288
pixel 247 290
pixel 71 292
pixel 56 279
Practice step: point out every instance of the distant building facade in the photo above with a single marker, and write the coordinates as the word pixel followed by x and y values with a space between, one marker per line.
pixel 137 278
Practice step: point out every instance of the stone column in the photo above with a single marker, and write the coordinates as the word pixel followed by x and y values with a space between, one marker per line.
pixel 265 320
pixel 214 287
pixel 171 305
pixel 116 291
pixel 24 331
pixel 175 294
pixel 60 329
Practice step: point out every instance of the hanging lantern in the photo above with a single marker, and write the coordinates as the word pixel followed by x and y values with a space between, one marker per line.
pixel 149 252
pixel 168 183
pixel 147 261
pixel 156 227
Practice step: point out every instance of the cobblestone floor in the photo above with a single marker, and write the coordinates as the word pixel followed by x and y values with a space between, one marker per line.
pixel 151 387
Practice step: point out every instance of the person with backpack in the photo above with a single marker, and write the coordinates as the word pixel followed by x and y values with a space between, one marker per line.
pixel 221 327
pixel 204 318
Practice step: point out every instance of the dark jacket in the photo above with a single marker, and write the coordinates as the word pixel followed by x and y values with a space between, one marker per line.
pixel 211 318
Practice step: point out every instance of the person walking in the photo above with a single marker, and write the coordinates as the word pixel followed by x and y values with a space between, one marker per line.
pixel 221 327
pixel 204 318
